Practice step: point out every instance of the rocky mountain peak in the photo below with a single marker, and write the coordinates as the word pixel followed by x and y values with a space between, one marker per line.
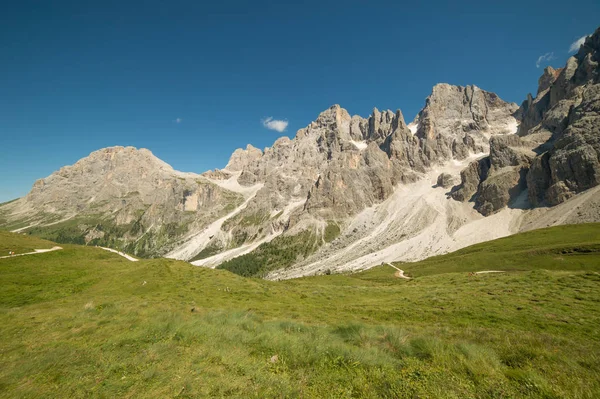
pixel 591 45
pixel 113 159
pixel 123 196
pixel 556 153
pixel 109 153
pixel 242 158
pixel 382 124
pixel 455 110
pixel 334 119
pixel 105 173
pixel 548 77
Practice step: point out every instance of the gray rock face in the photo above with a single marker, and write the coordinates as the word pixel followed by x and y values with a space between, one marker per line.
pixel 509 151
pixel 547 79
pixel 557 150
pixel 568 109
pixel 457 120
pixel 505 177
pixel 538 179
pixel 471 177
pixel 499 189
pixel 445 180
pixel 242 158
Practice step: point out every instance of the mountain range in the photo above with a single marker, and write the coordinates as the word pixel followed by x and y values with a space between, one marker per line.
pixel 347 192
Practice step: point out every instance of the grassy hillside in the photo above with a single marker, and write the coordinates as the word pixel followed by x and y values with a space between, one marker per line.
pixel 82 322
pixel 19 245
pixel 571 247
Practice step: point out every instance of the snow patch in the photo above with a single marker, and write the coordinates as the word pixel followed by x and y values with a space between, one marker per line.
pixel 513 126
pixel 232 184
pixel 361 145
pixel 413 127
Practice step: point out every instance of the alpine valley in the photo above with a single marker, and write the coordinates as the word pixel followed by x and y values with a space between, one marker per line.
pixel 346 193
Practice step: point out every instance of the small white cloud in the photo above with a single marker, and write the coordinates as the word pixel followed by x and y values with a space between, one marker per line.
pixel 577 43
pixel 543 59
pixel 274 124
pixel 178 120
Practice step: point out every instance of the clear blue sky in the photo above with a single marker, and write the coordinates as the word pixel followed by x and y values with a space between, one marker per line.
pixel 76 76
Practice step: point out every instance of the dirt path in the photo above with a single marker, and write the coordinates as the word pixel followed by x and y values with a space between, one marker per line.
pixel 36 251
pixel 399 272
pixel 128 257
pixel 489 271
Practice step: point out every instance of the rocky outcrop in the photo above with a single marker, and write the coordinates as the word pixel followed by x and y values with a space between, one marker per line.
pixel 242 158
pixel 510 157
pixel 548 77
pixel 457 120
pixel 496 180
pixel 569 111
pixel 573 163
pixel 470 179
pixel 499 189
pixel 557 150
pixel 445 180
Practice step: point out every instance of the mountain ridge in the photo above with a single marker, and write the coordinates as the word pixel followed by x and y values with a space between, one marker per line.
pixel 373 186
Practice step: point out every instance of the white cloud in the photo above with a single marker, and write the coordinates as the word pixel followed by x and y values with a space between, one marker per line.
pixel 274 124
pixel 178 120
pixel 544 59
pixel 577 43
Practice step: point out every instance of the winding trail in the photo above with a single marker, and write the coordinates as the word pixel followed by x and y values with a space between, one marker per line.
pixel 36 251
pixel 128 257
pixel 399 273
pixel 57 248
pixel 489 271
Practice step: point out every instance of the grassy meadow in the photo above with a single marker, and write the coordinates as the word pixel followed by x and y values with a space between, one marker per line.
pixel 83 322
pixel 20 245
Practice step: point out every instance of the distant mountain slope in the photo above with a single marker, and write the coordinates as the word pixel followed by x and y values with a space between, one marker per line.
pixel 121 197
pixel 347 192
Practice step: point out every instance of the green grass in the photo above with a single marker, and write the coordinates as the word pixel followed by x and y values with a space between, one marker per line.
pixel 246 220
pixel 207 252
pixel 19 244
pixel 279 253
pixel 332 231
pixel 74 231
pixel 571 247
pixel 82 322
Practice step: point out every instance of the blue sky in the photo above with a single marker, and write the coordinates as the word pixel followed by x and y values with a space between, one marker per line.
pixel 194 80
